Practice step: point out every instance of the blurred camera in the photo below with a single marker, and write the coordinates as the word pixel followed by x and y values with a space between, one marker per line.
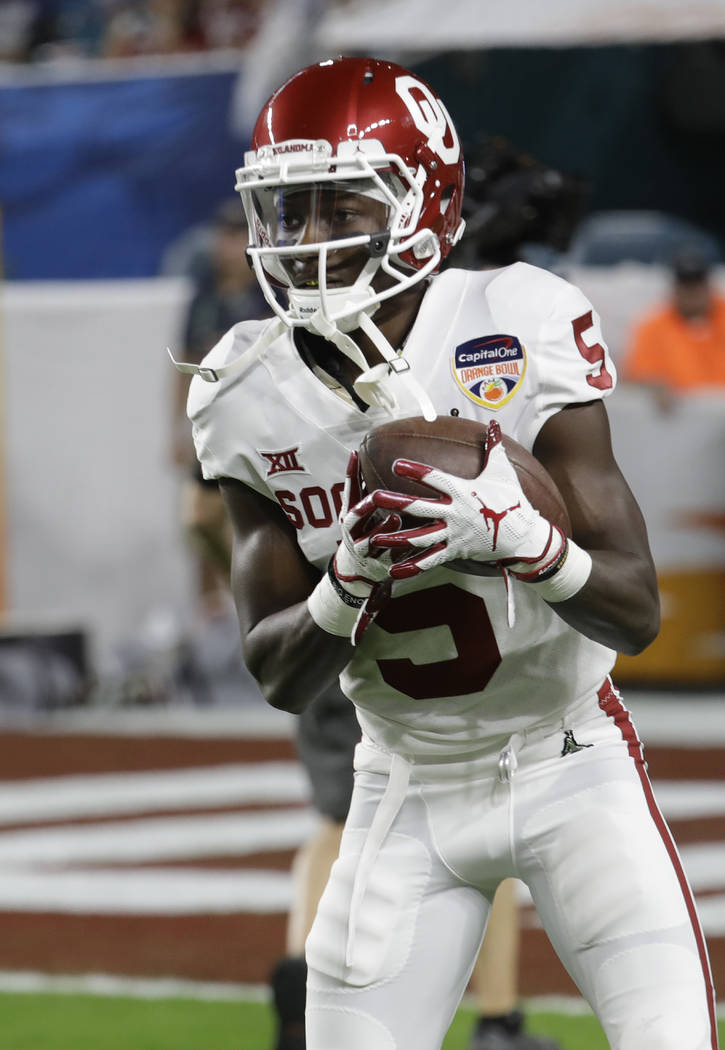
pixel 513 202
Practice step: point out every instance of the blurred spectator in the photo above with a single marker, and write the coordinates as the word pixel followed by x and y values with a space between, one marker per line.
pixel 67 28
pixel 226 292
pixel 680 347
pixel 46 30
pixel 229 23
pixel 16 29
pixel 151 27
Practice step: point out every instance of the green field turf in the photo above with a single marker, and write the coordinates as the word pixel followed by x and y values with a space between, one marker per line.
pixel 90 1022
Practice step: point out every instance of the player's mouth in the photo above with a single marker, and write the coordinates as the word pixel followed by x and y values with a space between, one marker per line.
pixel 333 281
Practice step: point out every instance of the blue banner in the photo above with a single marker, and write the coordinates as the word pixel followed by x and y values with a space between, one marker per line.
pixel 97 178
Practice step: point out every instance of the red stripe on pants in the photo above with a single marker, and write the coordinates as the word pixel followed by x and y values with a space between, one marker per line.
pixel 611 703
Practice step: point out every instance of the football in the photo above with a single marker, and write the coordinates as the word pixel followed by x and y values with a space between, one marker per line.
pixel 457 446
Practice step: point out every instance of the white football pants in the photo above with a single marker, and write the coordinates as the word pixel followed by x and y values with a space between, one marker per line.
pixel 401 921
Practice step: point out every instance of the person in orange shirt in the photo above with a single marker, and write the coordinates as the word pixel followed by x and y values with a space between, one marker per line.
pixel 680 347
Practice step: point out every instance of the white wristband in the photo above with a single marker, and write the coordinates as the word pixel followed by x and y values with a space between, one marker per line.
pixel 567 580
pixel 330 611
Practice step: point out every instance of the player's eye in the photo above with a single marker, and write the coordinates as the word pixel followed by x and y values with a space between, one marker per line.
pixel 290 221
pixel 344 216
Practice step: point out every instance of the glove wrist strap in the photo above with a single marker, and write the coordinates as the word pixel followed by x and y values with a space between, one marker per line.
pixel 355 601
pixel 333 608
pixel 571 572
pixel 538 569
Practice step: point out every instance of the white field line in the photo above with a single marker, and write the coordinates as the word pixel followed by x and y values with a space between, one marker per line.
pixel 679 721
pixel 192 892
pixel 115 794
pixel 28 883
pixel 102 984
pixel 704 864
pixel 689 799
pixel 712 915
pixel 253 721
pixel 158 839
pixel 34 861
pixel 145 892
pixel 663 719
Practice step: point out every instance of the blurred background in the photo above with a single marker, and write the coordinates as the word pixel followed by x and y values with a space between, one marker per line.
pixel 595 142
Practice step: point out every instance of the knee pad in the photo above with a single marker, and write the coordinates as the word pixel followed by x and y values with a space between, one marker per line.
pixel 337 1028
pixel 653 997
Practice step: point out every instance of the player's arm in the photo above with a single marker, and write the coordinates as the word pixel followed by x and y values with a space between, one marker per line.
pixel 290 656
pixel 619 604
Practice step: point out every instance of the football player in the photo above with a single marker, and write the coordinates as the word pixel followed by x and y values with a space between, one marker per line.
pixel 494 742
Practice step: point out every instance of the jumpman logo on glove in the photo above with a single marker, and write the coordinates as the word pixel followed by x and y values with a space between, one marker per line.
pixel 495 516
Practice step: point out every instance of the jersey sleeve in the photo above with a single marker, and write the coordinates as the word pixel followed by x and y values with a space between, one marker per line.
pixel 214 411
pixel 565 347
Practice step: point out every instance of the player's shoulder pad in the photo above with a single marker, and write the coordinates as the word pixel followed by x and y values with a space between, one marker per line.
pixel 531 300
pixel 531 286
pixel 534 291
pixel 231 346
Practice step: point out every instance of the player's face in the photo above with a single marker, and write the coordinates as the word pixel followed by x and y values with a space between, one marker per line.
pixel 310 215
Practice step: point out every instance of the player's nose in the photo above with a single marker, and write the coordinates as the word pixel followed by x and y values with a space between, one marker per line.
pixel 316 229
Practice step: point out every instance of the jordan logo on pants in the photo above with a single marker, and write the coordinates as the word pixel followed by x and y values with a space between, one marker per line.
pixel 570 745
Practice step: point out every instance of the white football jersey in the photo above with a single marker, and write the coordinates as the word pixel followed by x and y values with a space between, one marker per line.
pixel 440 671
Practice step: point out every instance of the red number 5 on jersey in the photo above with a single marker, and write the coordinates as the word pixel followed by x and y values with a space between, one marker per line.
pixel 593 353
pixel 466 617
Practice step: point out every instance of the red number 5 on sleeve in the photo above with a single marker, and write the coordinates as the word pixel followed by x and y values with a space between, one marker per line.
pixel 594 353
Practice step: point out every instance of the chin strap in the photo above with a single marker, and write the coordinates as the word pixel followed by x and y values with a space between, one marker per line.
pixel 376 386
pixel 329 330
pixel 240 364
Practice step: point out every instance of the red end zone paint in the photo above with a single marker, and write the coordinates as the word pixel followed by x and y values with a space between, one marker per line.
pixel 611 703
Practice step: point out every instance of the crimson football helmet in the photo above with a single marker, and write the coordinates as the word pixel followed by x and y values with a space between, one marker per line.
pixel 352 190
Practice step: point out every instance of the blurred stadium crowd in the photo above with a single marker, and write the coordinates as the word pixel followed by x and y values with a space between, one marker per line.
pixel 47 30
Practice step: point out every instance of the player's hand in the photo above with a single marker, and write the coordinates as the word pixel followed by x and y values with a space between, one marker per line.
pixel 360 562
pixel 488 519
pixel 361 566
pixel 357 583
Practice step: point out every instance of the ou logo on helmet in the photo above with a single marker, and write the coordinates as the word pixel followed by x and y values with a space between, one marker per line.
pixel 430 117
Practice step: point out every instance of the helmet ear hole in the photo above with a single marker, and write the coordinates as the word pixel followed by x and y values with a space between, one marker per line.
pixel 446 198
